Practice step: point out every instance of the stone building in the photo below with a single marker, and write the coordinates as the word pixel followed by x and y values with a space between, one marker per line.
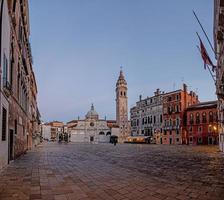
pixel 5 152
pixel 202 123
pixel 24 117
pixel 122 107
pixel 174 106
pixel 218 31
pixel 92 129
pixel 146 117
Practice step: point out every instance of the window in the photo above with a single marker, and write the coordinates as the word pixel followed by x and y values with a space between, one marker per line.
pixel 204 119
pixel 14 5
pixel 154 119
pixel 15 126
pixel 4 121
pixel 199 140
pixel 178 122
pixel 178 96
pixel 125 94
pixel 164 132
pixel 161 118
pixel 121 93
pixel 177 139
pixel 170 122
pixel 190 129
pixel 197 118
pixel 191 139
pixel 191 118
pixel 210 117
pixel 101 133
pixel 199 129
pixel 177 131
pixel 170 132
pixel 170 98
pixel 5 70
pixel 165 123
pixel 11 65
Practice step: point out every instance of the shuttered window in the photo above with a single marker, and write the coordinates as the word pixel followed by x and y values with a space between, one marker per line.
pixel 4 121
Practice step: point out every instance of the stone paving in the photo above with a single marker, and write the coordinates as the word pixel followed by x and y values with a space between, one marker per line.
pixel 126 171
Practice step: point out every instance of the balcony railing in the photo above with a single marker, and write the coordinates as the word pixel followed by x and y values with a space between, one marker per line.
pixel 7 87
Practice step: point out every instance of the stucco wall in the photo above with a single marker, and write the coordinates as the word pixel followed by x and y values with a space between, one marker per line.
pixel 5 46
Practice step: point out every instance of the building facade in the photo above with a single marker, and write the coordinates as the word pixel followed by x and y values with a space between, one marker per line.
pixel 147 117
pixel 219 53
pixel 202 123
pixel 24 117
pixel 92 129
pixel 122 107
pixel 174 106
pixel 5 152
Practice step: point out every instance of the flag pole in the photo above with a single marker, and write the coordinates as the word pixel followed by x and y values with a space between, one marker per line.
pixel 204 32
pixel 208 68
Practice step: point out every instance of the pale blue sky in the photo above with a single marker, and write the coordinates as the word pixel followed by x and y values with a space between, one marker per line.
pixel 79 45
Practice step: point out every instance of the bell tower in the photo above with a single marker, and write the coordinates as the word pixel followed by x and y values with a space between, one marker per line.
pixel 122 105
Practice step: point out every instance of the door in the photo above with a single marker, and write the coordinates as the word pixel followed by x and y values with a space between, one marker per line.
pixel 91 138
pixel 11 144
pixel 170 140
pixel 210 140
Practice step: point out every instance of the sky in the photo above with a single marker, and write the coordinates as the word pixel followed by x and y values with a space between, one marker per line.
pixel 78 47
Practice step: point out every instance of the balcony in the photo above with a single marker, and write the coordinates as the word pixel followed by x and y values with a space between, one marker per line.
pixel 7 88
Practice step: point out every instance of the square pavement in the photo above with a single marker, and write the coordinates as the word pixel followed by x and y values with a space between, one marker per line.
pixel 75 171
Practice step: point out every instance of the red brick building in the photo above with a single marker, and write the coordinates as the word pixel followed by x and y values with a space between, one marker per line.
pixel 174 106
pixel 202 123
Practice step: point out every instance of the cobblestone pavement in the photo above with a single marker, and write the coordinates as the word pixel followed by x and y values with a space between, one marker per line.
pixel 125 171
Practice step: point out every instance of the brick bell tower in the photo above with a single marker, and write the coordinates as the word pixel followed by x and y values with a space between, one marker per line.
pixel 122 105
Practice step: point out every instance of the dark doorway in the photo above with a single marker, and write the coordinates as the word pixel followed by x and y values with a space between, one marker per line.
pixel 170 140
pixel 11 135
pixel 161 141
pixel 91 138
pixel 210 140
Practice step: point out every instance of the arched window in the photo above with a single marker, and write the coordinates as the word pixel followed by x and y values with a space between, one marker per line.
pixel 197 118
pixel 191 118
pixel 177 121
pixel 125 94
pixel 121 93
pixel 108 133
pixel 204 117
pixel 101 133
pixel 210 116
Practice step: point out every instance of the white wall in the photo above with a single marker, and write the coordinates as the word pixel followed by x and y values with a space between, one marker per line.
pixel 46 131
pixel 5 47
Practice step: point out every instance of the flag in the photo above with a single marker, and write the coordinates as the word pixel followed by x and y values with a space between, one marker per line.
pixel 205 56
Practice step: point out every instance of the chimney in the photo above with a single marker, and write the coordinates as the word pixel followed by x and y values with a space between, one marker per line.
pixel 157 92
pixel 140 97
pixel 185 87
pixel 197 97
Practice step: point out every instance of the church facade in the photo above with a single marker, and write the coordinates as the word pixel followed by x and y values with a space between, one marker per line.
pixel 95 130
pixel 92 129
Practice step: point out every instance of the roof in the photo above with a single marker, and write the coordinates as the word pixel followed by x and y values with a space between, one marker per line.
pixel 92 114
pixel 72 121
pixel 203 105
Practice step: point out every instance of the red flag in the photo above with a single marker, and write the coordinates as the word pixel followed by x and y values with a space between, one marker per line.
pixel 204 55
